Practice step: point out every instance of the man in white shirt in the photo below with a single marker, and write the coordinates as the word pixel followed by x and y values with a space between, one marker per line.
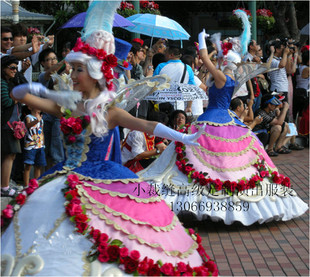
pixel 175 69
pixel 278 78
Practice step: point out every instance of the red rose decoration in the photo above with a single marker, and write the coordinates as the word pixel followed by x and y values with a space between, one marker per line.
pixel 125 64
pixel 101 54
pixel 85 48
pixel 178 150
pixel 212 267
pixel 73 209
pixel 181 267
pixel 103 238
pixel 71 139
pixel 111 60
pixel 81 218
pixel 113 251
pixel 130 265
pixel 86 119
pixel 92 51
pixel 103 247
pixel 20 199
pixel 81 227
pixel 286 182
pixel 95 233
pixel 103 257
pixel 143 268
pixel 167 269
pixel 123 252
pixel 154 270
pixel 65 129
pixel 78 45
pixel 135 255
pixel 8 212
pixel 77 128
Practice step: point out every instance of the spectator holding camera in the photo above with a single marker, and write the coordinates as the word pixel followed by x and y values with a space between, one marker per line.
pixel 278 78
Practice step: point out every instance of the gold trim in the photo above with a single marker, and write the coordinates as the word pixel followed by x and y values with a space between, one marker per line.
pixel 88 201
pixel 223 169
pixel 106 181
pixel 56 225
pixel 86 265
pixel 123 195
pixel 248 134
pixel 60 172
pixel 140 240
pixel 229 154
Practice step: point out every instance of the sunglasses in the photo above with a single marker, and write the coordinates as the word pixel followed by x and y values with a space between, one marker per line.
pixel 13 67
pixel 7 39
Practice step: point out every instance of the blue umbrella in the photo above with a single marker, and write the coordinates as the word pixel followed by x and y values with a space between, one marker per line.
pixel 78 21
pixel 157 26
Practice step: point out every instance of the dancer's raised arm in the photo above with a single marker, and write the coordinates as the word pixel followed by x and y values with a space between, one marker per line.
pixel 219 76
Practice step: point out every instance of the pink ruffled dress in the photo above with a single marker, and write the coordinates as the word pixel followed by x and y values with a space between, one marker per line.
pixel 229 176
pixel 122 218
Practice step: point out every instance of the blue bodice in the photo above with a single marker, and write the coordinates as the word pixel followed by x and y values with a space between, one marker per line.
pixel 219 101
pixel 94 157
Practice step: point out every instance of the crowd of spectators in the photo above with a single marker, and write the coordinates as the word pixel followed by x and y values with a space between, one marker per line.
pixel 275 105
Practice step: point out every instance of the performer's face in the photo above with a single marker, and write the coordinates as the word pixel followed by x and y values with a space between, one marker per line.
pixel 82 81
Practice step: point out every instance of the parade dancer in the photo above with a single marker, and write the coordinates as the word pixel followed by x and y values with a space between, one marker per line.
pixel 93 216
pixel 229 177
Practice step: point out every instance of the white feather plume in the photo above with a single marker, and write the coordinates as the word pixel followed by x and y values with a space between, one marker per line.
pixel 246 34
pixel 100 16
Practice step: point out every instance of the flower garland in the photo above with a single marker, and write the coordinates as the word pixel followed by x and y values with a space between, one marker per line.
pixel 264 12
pixel 16 203
pixel 109 61
pixel 72 127
pixel 105 249
pixel 229 187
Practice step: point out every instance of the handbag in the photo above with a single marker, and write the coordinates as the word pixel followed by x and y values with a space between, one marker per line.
pixel 18 128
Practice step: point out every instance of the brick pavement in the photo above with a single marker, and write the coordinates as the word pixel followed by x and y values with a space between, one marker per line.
pixel 272 249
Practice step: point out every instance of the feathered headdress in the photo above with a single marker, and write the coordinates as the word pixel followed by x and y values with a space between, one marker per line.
pixel 246 34
pixel 97 42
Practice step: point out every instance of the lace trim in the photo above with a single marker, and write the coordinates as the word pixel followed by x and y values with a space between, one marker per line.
pixel 123 195
pixel 56 225
pixel 86 265
pixel 85 148
pixel 88 200
pixel 140 240
pixel 223 169
pixel 107 181
pixel 60 172
pixel 223 139
pixel 221 154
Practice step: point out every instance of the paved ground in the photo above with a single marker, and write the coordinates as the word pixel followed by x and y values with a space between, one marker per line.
pixel 272 249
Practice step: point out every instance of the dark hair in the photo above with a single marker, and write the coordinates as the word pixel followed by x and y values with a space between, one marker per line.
pixel 19 29
pixel 135 47
pixel 174 50
pixel 188 59
pixel 5 29
pixel 67 45
pixel 251 44
pixel 305 57
pixel 5 61
pixel 210 49
pixel 45 53
pixel 158 58
pixel 277 44
pixel 173 116
pixel 191 50
pixel 235 103
pixel 265 98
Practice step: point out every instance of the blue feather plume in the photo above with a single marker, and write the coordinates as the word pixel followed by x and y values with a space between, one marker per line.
pixel 100 16
pixel 246 34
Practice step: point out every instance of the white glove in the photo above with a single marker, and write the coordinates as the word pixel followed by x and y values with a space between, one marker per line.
pixel 202 39
pixel 168 133
pixel 67 99
pixel 36 89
